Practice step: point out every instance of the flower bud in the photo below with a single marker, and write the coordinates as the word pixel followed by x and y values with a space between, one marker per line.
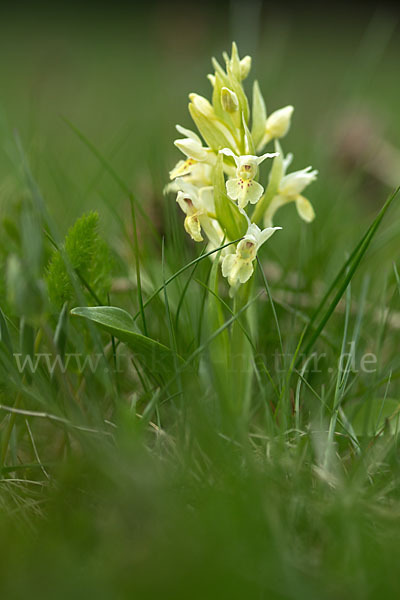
pixel 229 100
pixel 191 148
pixel 211 78
pixel 202 105
pixel 278 122
pixel 245 66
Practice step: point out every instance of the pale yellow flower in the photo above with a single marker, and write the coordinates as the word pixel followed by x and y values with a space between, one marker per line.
pixel 244 188
pixel 238 267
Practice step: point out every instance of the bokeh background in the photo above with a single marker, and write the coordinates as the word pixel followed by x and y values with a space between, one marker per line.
pixel 122 73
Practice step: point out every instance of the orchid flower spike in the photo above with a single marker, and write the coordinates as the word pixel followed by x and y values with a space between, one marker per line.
pixel 214 191
pixel 238 267
pixel 243 187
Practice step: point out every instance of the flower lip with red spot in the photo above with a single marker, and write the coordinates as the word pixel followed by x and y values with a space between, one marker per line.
pixel 244 188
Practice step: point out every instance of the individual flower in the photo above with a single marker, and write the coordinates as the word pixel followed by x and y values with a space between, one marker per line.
pixel 198 206
pixel 290 190
pixel 277 125
pixel 238 267
pixel 244 188
pixel 200 176
pixel 193 148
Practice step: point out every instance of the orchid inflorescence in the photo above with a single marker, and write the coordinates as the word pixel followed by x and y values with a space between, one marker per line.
pixel 216 184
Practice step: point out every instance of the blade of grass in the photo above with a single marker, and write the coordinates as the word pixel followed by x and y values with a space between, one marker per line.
pixel 228 308
pixel 212 337
pixel 278 329
pixel 137 261
pixel 396 274
pixel 350 266
pixel 120 182
pixel 179 272
pixel 183 294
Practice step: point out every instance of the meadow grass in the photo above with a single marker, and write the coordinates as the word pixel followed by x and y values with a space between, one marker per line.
pixel 130 470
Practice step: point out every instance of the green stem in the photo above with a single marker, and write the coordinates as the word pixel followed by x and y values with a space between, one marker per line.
pixel 242 371
pixel 137 261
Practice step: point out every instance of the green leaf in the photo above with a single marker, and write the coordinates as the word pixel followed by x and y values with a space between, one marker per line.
pixel 228 214
pixel 155 357
pixel 259 115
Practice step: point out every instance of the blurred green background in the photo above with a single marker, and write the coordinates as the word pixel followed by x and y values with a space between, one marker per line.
pixel 122 74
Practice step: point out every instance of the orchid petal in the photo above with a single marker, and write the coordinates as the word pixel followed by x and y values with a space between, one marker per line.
pixel 188 133
pixel 305 209
pixel 260 159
